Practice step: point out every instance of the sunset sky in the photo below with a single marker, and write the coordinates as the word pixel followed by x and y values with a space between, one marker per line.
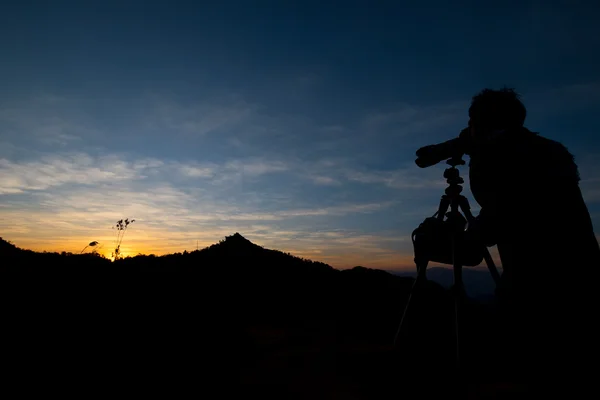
pixel 292 123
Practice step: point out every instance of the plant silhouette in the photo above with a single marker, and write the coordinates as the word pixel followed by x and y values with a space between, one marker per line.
pixel 91 244
pixel 121 227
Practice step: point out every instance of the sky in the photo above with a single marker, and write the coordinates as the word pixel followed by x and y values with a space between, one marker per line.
pixel 292 123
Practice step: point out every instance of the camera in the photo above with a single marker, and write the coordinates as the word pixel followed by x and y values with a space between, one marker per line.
pixel 453 148
pixel 434 240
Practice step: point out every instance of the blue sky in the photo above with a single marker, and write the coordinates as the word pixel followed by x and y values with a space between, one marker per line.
pixel 293 123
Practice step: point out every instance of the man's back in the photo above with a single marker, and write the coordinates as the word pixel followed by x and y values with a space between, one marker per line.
pixel 528 188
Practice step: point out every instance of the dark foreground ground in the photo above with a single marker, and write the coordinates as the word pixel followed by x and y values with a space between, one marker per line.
pixel 146 336
pixel 291 364
pixel 236 320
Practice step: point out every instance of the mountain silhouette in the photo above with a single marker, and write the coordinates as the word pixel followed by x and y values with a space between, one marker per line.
pixel 258 314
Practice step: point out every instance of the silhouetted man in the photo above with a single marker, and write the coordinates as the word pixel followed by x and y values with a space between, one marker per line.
pixel 532 208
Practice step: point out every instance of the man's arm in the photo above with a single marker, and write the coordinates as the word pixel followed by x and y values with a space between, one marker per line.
pixel 493 182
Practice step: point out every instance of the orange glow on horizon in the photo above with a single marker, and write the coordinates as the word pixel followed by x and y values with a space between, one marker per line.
pixel 340 250
pixel 342 259
pixel 130 247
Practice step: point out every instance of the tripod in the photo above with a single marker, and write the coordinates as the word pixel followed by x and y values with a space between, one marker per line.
pixel 444 241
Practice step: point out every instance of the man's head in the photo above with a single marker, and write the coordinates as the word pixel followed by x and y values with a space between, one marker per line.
pixel 493 110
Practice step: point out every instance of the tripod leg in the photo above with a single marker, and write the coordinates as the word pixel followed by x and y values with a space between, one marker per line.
pixel 419 280
pixel 466 209
pixel 458 291
pixel 443 207
pixel 491 266
pixel 458 294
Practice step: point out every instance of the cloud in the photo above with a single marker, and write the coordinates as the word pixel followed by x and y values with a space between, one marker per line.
pixel 255 167
pixel 94 123
pixel 340 172
pixel 337 210
pixel 216 127
pixel 51 171
pixel 198 118
pixel 404 178
pixel 47 119
pixel 197 172
pixel 405 119
pixel 82 169
pixel 324 180
pixel 64 200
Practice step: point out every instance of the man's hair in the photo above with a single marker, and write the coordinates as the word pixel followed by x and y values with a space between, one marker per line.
pixel 498 108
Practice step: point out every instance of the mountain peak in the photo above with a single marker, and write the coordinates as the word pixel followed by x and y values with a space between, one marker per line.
pixel 236 243
pixel 237 238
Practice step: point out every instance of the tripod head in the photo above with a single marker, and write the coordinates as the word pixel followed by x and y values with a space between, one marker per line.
pixel 433 239
pixel 455 160
pixel 452 176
